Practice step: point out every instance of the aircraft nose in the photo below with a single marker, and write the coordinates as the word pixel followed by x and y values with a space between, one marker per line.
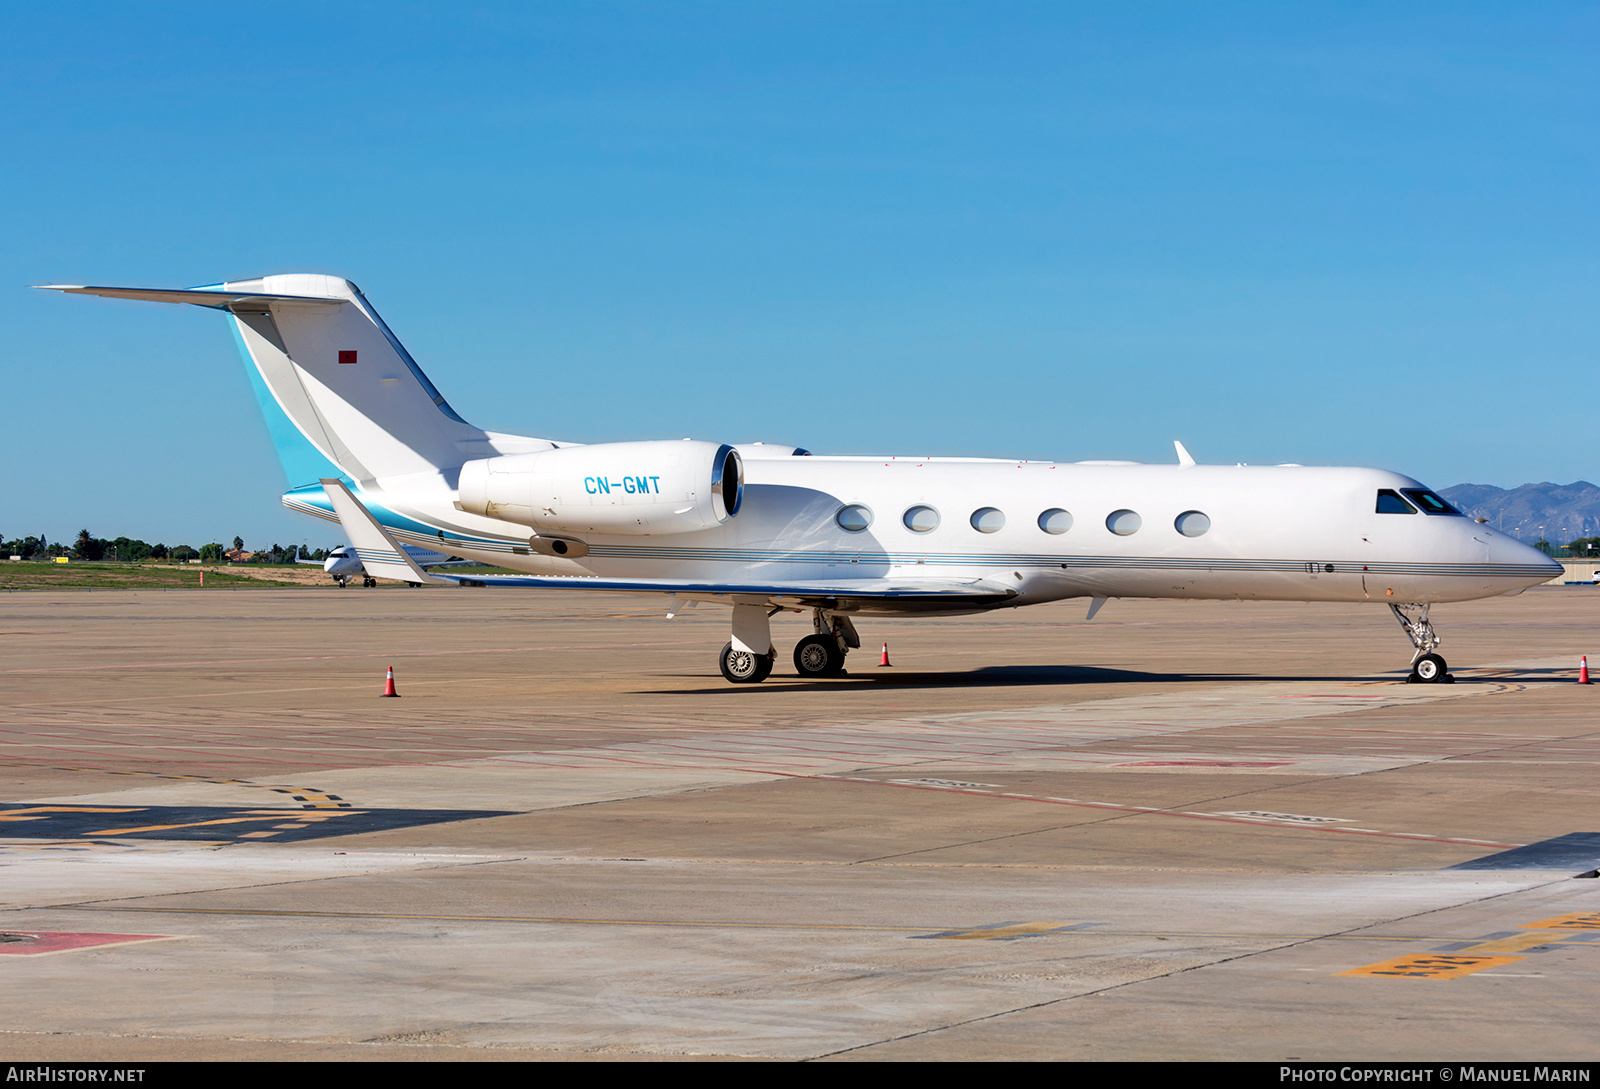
pixel 1513 553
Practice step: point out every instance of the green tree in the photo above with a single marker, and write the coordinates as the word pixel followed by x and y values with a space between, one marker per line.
pixel 87 548
pixel 128 550
pixel 211 553
pixel 238 542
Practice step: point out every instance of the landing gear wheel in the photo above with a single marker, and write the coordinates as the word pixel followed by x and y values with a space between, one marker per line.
pixel 818 656
pixel 1430 669
pixel 369 582
pixel 744 667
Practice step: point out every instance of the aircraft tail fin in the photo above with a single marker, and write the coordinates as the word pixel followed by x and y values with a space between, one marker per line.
pixel 329 366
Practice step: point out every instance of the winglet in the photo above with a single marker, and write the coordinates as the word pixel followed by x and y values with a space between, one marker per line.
pixel 1185 459
pixel 379 552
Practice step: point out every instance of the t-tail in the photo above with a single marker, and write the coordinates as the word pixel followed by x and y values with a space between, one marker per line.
pixel 342 396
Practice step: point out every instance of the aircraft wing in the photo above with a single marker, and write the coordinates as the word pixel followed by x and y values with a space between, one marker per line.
pixel 910 594
pixel 379 552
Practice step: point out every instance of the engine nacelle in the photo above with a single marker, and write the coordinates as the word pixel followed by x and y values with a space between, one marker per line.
pixel 613 487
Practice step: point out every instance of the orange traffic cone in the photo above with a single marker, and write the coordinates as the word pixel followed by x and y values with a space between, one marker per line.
pixel 1583 671
pixel 884 659
pixel 388 685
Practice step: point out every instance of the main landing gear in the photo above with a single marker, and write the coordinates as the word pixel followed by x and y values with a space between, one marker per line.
pixel 1426 666
pixel 743 661
pixel 822 654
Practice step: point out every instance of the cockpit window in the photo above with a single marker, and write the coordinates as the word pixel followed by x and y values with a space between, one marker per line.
pixel 1430 503
pixel 1389 502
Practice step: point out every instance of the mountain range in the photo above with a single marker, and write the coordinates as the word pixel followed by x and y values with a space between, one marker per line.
pixel 1557 513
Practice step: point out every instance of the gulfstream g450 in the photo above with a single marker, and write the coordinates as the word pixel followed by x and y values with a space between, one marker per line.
pixel 764 529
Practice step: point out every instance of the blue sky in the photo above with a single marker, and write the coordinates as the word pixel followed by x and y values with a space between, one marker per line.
pixel 1353 233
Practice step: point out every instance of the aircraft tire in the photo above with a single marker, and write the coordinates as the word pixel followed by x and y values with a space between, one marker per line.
pixel 742 667
pixel 818 656
pixel 1430 669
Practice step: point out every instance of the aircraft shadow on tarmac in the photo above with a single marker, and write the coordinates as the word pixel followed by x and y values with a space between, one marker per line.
pixel 1025 676
pixel 1009 676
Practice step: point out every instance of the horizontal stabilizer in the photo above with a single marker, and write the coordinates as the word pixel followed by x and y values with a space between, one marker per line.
pixel 341 394
pixel 216 298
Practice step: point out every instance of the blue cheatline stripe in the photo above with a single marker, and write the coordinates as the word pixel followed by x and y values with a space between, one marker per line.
pixel 310 499
pixel 381 555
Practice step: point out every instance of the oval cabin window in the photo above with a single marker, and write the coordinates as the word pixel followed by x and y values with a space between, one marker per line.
pixel 1055 520
pixel 854 518
pixel 1192 523
pixel 921 519
pixel 988 520
pixel 1124 523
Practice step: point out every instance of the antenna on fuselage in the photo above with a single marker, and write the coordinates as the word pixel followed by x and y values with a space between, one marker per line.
pixel 1185 459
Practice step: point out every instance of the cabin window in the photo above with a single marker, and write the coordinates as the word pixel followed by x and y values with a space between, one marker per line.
pixel 1192 523
pixel 1124 523
pixel 854 518
pixel 1389 502
pixel 921 519
pixel 1055 520
pixel 1429 502
pixel 988 520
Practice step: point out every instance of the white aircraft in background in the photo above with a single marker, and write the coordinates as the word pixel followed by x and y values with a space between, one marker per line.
pixel 344 563
pixel 767 529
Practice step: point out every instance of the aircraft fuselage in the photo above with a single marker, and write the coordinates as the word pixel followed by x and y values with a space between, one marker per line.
pixel 1043 531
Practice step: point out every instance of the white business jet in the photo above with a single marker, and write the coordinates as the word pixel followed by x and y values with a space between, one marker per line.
pixel 344 563
pixel 767 529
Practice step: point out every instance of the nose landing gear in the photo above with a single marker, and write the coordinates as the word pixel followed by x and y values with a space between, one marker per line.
pixel 1426 666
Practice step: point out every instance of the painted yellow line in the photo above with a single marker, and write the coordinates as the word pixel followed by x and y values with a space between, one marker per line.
pixel 1016 930
pixel 1431 966
pixel 1580 920
pixel 36 812
pixel 168 827
pixel 256 817
pixel 322 799
pixel 1487 954
pixel 1517 942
